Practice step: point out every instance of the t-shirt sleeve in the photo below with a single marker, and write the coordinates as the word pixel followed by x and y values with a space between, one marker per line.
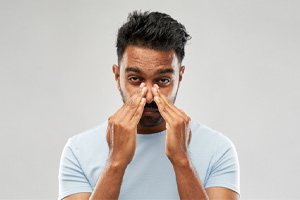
pixel 225 171
pixel 71 176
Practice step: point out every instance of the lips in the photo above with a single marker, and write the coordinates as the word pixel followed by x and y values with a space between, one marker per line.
pixel 150 110
pixel 147 109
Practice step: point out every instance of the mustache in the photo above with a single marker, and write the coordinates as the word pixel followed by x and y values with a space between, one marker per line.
pixel 151 105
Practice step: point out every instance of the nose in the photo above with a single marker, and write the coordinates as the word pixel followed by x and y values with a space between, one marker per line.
pixel 149 95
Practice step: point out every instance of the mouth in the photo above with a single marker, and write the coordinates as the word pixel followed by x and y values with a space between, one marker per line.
pixel 150 110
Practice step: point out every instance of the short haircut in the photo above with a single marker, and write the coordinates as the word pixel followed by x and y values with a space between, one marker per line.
pixel 153 30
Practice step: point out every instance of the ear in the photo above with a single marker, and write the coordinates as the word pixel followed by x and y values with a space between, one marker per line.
pixel 116 71
pixel 181 72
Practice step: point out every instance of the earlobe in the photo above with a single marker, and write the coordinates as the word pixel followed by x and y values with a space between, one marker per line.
pixel 181 72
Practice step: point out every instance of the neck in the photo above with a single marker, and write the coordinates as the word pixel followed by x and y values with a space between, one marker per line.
pixel 150 130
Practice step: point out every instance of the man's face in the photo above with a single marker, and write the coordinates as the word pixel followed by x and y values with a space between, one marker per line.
pixel 140 64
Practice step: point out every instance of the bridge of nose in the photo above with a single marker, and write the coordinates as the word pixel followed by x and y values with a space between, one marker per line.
pixel 149 95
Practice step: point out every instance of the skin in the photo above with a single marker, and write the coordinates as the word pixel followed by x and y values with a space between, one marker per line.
pixel 146 78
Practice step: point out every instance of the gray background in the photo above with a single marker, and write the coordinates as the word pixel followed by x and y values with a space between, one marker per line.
pixel 242 78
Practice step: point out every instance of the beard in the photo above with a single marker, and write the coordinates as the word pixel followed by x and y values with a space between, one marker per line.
pixel 151 116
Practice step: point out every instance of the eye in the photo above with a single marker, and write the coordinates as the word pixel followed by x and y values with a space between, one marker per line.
pixel 134 79
pixel 164 81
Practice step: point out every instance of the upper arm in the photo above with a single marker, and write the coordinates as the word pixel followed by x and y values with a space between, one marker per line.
pixel 72 179
pixel 78 196
pixel 216 193
pixel 225 172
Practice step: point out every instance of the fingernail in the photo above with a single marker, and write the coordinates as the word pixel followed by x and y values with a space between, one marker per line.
pixel 155 85
pixel 144 89
pixel 154 89
pixel 143 100
pixel 142 85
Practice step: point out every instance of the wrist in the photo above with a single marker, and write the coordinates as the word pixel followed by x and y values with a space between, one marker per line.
pixel 183 161
pixel 116 164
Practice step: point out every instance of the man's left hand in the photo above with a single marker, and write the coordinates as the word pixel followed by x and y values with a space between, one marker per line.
pixel 178 134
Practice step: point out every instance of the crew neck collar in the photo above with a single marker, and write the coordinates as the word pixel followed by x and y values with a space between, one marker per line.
pixel 151 134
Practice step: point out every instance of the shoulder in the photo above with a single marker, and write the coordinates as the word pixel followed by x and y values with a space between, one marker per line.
pixel 215 157
pixel 89 142
pixel 88 136
pixel 210 144
pixel 82 153
pixel 213 141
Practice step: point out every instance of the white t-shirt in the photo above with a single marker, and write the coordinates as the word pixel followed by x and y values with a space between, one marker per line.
pixel 150 174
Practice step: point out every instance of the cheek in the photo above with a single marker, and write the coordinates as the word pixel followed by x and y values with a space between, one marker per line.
pixel 175 88
pixel 169 92
pixel 128 89
pixel 172 89
pixel 125 87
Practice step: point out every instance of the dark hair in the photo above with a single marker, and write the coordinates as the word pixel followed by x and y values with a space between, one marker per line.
pixel 153 30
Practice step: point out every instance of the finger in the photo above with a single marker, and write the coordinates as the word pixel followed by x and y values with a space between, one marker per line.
pixel 129 107
pixel 162 109
pixel 165 100
pixel 157 92
pixel 108 133
pixel 189 137
pixel 184 115
pixel 133 103
pixel 172 110
pixel 171 106
pixel 165 104
pixel 135 93
pixel 175 112
pixel 187 129
pixel 138 113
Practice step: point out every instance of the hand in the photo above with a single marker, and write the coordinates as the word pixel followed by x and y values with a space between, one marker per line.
pixel 122 128
pixel 177 124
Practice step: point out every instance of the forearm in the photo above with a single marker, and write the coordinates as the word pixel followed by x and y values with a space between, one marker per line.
pixel 188 183
pixel 109 184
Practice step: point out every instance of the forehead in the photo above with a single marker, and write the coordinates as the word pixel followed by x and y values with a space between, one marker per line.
pixel 148 59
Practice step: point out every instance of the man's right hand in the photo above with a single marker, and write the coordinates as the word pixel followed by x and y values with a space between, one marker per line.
pixel 122 128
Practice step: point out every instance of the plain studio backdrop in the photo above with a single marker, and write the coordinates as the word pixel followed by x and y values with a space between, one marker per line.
pixel 242 79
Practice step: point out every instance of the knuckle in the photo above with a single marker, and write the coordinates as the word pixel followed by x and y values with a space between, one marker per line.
pixel 187 120
pixel 130 126
pixel 180 122
pixel 177 123
pixel 118 124
pixel 127 128
pixel 110 121
pixel 124 126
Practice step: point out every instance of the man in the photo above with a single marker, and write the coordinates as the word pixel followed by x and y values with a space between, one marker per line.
pixel 149 149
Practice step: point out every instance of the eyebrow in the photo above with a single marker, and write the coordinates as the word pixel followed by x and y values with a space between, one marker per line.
pixel 133 69
pixel 160 71
pixel 166 71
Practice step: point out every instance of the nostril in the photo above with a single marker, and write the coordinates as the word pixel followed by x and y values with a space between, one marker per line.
pixel 149 98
